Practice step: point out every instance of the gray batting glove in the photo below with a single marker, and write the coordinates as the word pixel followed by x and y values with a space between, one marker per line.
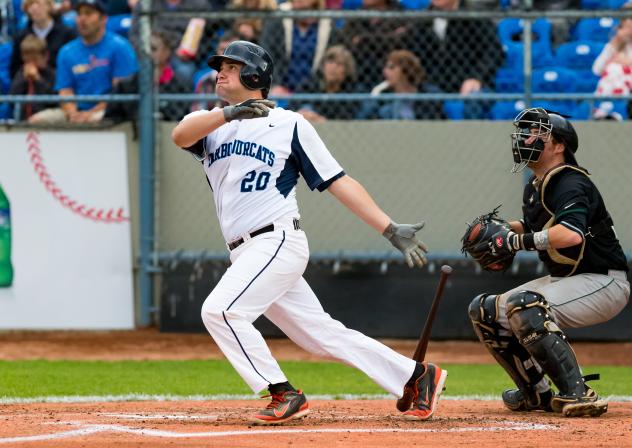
pixel 402 236
pixel 248 109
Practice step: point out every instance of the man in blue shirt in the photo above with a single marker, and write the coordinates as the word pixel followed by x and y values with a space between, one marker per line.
pixel 89 65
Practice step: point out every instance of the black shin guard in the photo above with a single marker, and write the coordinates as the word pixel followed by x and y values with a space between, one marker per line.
pixel 529 318
pixel 507 351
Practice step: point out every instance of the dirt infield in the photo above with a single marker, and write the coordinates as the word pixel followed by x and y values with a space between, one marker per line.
pixel 367 423
pixel 332 423
pixel 151 344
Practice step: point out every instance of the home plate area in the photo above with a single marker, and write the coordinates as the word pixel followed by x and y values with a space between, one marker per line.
pixel 353 423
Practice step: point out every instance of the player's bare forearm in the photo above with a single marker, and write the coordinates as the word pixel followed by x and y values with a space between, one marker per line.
pixel 191 130
pixel 355 197
pixel 516 226
pixel 561 237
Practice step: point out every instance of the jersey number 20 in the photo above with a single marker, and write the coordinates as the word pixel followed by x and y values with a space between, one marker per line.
pixel 253 181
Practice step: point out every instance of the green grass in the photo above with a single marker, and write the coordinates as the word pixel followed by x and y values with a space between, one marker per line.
pixel 26 379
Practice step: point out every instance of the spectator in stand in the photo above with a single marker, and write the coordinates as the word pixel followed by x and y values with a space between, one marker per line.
pixel 248 28
pixel 460 55
pixel 35 76
pixel 614 64
pixel 403 73
pixel 165 79
pixel 206 82
pixel 337 74
pixel 188 53
pixel 296 46
pixel 43 25
pixel 371 40
pixel 89 65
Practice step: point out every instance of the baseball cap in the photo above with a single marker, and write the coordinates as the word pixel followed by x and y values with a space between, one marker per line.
pixel 99 5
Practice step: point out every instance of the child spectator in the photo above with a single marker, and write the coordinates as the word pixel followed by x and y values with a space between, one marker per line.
pixel 43 25
pixel 35 77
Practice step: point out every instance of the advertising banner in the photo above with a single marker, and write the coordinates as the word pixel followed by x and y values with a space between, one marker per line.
pixel 65 243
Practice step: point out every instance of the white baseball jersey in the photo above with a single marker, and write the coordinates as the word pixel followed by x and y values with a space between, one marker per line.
pixel 253 167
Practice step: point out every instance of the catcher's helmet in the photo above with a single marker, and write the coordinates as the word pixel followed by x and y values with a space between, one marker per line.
pixel 546 124
pixel 256 74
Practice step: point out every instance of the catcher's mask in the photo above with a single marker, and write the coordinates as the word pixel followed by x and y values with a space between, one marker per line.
pixel 256 74
pixel 538 125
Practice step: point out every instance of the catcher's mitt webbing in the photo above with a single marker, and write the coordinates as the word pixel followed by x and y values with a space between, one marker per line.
pixel 477 238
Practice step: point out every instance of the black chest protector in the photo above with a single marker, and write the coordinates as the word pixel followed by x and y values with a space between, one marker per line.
pixel 538 215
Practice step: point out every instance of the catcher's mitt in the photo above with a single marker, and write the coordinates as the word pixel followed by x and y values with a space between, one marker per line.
pixel 477 241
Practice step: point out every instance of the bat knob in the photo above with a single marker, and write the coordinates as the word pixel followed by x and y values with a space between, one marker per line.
pixel 447 270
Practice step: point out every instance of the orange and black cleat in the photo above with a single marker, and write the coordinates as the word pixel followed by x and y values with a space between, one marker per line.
pixel 284 406
pixel 426 392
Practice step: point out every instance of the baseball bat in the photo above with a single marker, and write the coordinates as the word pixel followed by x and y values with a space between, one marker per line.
pixel 403 403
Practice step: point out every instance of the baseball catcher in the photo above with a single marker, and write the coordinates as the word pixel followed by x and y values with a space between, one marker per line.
pixel 566 222
pixel 478 242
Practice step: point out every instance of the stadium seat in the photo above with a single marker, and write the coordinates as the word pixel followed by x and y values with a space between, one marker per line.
pixel 510 31
pixel 414 4
pixel 6 50
pixel 454 109
pixel 581 111
pixel 554 80
pixel 509 80
pixel 351 4
pixel 618 109
pixel 506 110
pixel 578 55
pixel 602 4
pixel 595 29
pixel 586 81
pixel 119 24
pixel 510 35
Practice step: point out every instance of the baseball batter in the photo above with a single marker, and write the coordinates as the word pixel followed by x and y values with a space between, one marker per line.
pixel 253 155
pixel 565 220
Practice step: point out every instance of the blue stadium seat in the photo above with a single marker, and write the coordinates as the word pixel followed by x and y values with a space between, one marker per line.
pixel 615 4
pixel 510 31
pixel 562 107
pixel 586 81
pixel 506 110
pixel 510 35
pixel 613 108
pixel 6 50
pixel 581 111
pixel 120 24
pixel 578 55
pixel 554 80
pixel 351 4
pixel 509 80
pixel 414 4
pixel 603 4
pixel 454 109
pixel 595 29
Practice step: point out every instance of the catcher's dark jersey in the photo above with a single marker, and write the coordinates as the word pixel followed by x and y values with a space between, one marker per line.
pixel 567 196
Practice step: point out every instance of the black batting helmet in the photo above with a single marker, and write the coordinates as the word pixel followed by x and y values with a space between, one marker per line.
pixel 546 124
pixel 256 74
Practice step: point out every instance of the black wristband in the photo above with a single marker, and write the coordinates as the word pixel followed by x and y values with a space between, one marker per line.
pixel 528 242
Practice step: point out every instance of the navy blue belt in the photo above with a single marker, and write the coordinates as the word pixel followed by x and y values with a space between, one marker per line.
pixel 269 228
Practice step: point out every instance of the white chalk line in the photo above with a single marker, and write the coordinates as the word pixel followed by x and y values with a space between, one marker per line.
pixel 216 397
pixel 88 429
pixel 208 417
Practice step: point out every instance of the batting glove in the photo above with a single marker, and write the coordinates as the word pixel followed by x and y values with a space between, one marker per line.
pixel 248 109
pixel 402 236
